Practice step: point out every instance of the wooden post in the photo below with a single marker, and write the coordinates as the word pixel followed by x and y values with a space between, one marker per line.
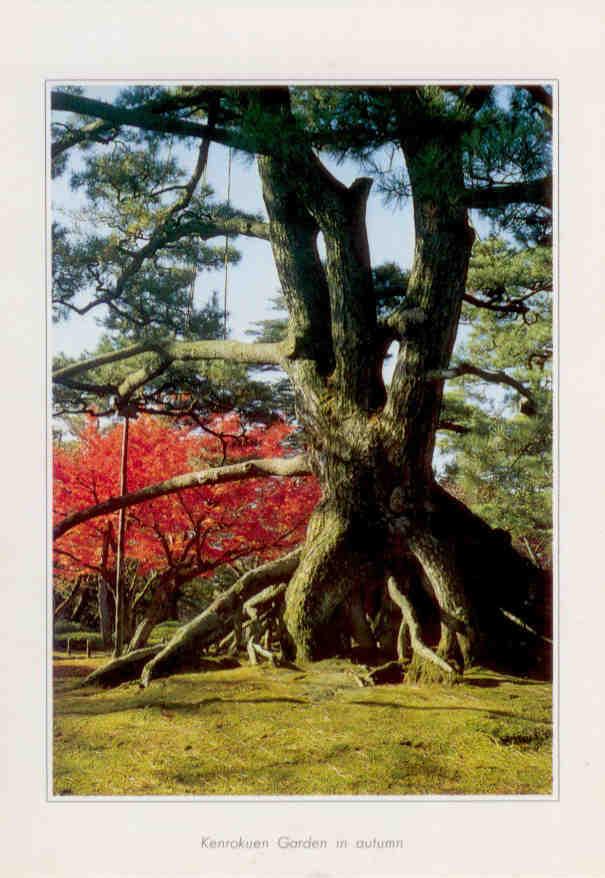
pixel 87 647
pixel 118 648
pixel 69 646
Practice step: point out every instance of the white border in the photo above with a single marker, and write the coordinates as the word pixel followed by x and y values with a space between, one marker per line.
pixel 470 40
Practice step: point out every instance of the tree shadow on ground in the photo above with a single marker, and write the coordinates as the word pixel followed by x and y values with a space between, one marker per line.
pixel 103 707
pixel 489 711
pixel 65 671
pixel 494 682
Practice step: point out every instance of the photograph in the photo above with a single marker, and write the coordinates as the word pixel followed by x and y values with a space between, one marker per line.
pixel 302 376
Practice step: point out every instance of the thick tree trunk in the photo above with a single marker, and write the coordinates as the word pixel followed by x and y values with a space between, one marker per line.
pixel 344 553
pixel 371 448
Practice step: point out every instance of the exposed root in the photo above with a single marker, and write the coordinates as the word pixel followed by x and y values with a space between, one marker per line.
pixel 255 650
pixel 421 653
pixel 523 625
pixel 268 596
pixel 404 644
pixel 215 622
pixel 126 667
pixel 421 670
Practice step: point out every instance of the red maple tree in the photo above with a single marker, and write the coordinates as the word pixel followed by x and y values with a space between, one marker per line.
pixel 175 538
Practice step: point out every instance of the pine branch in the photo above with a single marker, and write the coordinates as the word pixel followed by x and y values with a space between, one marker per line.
pixel 144 119
pixel 215 349
pixel 95 132
pixel 500 377
pixel 533 192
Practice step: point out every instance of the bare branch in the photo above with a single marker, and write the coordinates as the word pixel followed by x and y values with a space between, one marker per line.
pixel 212 227
pixel 140 377
pixel 262 468
pixel 236 351
pixel 61 375
pixel 492 377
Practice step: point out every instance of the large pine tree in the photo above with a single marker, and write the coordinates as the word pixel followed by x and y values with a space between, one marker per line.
pixel 383 525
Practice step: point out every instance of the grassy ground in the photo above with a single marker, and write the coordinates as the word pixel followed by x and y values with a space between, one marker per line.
pixel 264 731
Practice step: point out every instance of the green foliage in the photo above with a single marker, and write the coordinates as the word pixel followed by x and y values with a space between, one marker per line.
pixel 132 190
pixel 132 252
pixel 390 286
pixel 272 329
pixel 502 465
pixel 66 626
pixel 77 639
pixel 505 136
pixel 164 631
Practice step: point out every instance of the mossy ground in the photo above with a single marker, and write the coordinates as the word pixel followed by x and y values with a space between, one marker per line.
pixel 313 731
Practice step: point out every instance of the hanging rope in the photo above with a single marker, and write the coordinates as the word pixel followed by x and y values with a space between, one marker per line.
pixel 226 260
pixel 194 266
pixel 191 292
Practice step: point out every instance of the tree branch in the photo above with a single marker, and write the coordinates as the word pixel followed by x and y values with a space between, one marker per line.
pixel 260 353
pixel 94 131
pixel 86 387
pixel 143 118
pixel 514 306
pixel 286 466
pixel 534 192
pixel 395 324
pixel 215 228
pixel 492 377
pixel 453 427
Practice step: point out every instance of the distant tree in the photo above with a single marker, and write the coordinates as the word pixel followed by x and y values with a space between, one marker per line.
pixel 498 457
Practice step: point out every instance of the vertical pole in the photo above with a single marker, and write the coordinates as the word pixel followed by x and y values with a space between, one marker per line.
pixel 120 595
pixel 226 266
